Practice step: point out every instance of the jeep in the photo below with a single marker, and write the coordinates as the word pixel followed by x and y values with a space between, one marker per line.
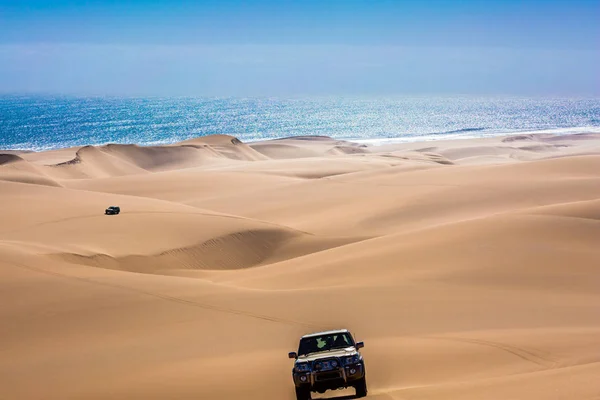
pixel 112 210
pixel 328 361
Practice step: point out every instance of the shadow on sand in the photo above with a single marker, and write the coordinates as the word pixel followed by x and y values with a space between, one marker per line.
pixel 331 395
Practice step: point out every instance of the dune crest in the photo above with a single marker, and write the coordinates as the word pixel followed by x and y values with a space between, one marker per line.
pixel 233 251
pixel 13 168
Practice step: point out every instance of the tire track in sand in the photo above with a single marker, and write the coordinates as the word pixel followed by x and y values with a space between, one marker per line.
pixel 537 357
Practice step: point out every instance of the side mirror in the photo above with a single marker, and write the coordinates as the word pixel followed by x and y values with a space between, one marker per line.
pixel 293 355
pixel 359 345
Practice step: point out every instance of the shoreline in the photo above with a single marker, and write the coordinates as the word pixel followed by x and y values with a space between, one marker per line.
pixel 432 137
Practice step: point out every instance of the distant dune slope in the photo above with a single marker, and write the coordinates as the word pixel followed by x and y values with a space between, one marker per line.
pixel 13 168
pixel 185 186
pixel 302 147
pixel 89 162
pixel 403 199
pixel 227 146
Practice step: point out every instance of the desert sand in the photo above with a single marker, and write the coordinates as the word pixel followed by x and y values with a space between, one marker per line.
pixel 470 268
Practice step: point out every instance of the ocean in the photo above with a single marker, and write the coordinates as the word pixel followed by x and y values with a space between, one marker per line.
pixel 49 122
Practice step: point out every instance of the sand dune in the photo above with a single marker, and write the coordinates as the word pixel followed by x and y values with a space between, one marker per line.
pixel 302 147
pixel 227 146
pixel 13 168
pixel 183 186
pixel 50 157
pixel 114 160
pixel 469 267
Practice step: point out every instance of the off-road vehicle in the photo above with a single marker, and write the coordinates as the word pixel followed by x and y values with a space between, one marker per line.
pixel 112 210
pixel 328 361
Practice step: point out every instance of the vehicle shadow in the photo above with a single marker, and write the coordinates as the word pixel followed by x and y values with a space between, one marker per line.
pixel 330 397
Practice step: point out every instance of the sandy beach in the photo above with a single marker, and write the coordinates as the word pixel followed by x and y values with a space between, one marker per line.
pixel 470 268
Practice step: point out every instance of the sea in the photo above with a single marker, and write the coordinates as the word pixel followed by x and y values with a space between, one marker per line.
pixel 49 122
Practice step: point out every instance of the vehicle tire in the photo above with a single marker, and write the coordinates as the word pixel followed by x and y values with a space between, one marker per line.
pixel 302 394
pixel 361 388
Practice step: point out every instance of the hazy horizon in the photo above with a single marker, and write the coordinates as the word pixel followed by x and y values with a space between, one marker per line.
pixel 268 48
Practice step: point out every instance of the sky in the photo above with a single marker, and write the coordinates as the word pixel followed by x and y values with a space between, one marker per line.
pixel 297 48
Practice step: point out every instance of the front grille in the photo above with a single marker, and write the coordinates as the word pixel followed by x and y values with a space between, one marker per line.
pixel 326 364
pixel 325 376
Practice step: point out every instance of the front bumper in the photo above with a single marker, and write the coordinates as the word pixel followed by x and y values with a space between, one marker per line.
pixel 338 378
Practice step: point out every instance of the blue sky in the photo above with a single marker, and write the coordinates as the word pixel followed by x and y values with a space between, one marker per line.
pixel 245 48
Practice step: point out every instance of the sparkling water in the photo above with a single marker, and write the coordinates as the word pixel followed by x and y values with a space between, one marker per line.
pixel 37 123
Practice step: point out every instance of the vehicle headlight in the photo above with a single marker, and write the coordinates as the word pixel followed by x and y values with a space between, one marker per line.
pixel 334 364
pixel 302 367
pixel 351 359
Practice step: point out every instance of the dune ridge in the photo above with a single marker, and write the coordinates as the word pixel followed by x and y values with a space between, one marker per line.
pixel 469 267
pixel 232 251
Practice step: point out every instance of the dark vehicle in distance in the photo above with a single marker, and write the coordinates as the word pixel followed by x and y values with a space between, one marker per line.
pixel 328 361
pixel 112 210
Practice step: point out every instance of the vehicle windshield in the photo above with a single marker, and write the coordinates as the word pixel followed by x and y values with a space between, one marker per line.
pixel 326 342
